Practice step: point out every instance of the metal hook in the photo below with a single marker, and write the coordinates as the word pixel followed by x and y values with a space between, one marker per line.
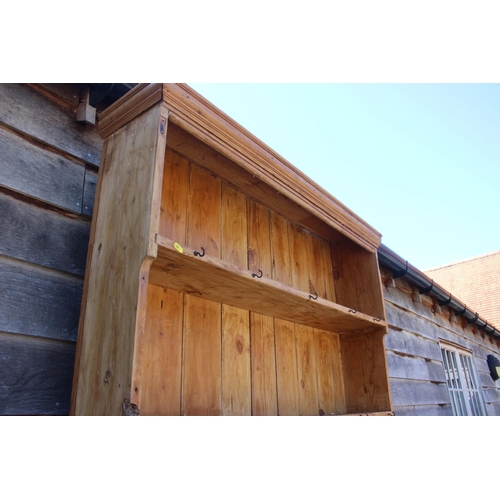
pixel 377 319
pixel 444 302
pixel 312 297
pixel 198 254
pixel 256 275
pixel 354 311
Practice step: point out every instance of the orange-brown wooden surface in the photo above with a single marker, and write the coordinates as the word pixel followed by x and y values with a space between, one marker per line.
pixel 338 374
pixel 173 216
pixel 162 353
pixel 113 315
pixel 358 283
pixel 365 374
pixel 286 368
pixel 202 318
pixel 236 380
pixel 264 397
pixel 261 327
pixel 280 249
pixel 307 371
pixel 323 351
pixel 201 394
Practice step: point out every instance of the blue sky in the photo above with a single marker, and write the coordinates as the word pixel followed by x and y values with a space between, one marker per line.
pixel 418 162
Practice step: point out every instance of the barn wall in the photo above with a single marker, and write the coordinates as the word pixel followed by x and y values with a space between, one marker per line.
pixel 48 171
pixel 415 369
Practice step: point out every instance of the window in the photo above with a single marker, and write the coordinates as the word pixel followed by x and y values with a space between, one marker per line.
pixel 461 376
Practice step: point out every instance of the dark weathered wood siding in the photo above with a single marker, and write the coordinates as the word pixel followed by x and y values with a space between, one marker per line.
pixel 48 170
pixel 415 368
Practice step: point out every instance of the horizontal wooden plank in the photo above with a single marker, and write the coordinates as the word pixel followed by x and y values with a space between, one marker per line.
pixel 29 112
pixel 406 392
pixel 424 411
pixel 416 368
pixel 89 188
pixel 35 376
pixel 412 322
pixel 493 409
pixel 491 395
pixel 410 343
pixel 221 281
pixel 43 237
pixel 42 174
pixel 38 302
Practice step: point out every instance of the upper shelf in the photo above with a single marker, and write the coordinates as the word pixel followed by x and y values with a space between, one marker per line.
pixel 193 113
pixel 210 278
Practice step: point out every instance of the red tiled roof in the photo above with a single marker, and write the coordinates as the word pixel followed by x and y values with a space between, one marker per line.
pixel 476 282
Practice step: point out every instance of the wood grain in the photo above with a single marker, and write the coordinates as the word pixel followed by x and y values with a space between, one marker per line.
pixel 307 371
pixel 31 169
pixel 236 377
pixel 89 188
pixel 365 372
pixel 202 318
pixel 43 237
pixel 35 375
pixel 173 217
pixel 32 114
pixel 39 302
pixel 358 285
pixel 264 385
pixel 286 368
pixel 327 396
pixel 220 281
pixel 264 398
pixel 115 307
pixel 162 353
pixel 201 394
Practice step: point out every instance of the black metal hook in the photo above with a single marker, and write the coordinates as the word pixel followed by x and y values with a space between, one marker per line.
pixel 377 319
pixel 198 254
pixel 256 275
pixel 312 297
pixel 461 312
pixel 354 311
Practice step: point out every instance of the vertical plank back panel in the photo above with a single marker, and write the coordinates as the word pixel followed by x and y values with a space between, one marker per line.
pixel 264 396
pixel 338 373
pixel 162 339
pixel 201 393
pixel 236 379
pixel 261 327
pixel 286 368
pixel 280 249
pixel 326 261
pixel 307 371
pixel 299 258
pixel 173 215
pixel 328 396
pixel 162 353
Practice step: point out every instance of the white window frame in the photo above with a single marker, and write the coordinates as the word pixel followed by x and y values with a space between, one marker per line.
pixel 462 380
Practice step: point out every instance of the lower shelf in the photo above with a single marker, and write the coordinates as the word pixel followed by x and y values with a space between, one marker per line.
pixel 217 280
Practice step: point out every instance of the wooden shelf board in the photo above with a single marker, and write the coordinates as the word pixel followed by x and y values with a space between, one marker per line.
pixel 220 281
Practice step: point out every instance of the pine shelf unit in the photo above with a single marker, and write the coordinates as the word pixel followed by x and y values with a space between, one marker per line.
pixel 220 280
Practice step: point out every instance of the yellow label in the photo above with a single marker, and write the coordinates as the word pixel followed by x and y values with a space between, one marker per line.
pixel 178 247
